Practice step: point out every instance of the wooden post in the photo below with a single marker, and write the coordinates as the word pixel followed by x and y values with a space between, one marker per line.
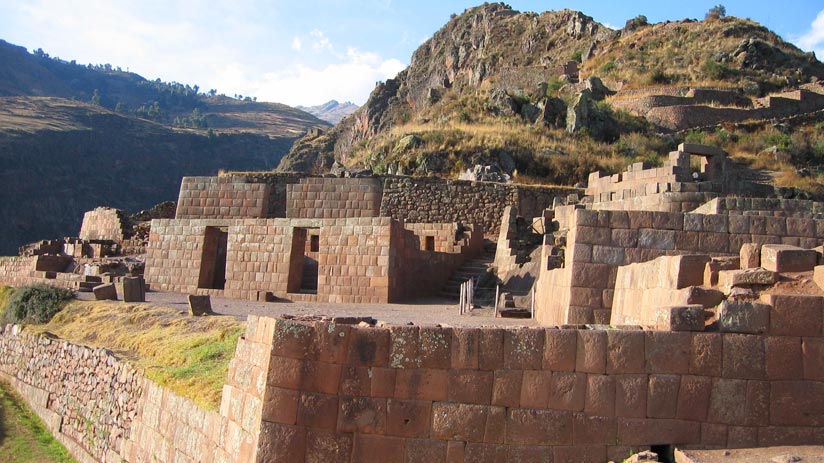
pixel 497 292
pixel 469 290
pixel 532 308
pixel 461 300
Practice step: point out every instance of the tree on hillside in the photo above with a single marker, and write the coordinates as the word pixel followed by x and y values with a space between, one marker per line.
pixel 96 97
pixel 716 12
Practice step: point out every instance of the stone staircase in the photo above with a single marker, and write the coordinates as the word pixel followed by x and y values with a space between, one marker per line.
pixel 470 269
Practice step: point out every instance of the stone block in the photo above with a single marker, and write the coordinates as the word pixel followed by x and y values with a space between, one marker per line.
pixel 744 357
pixel 370 448
pixel 625 352
pixel 750 255
pixel 662 396
pixel 535 389
pixel 568 391
pixel 560 347
pixel 600 395
pixel 728 402
pixel 727 279
pixel 280 405
pixel 200 304
pixel 743 317
pixel 408 418
pixel 631 396
pixel 325 446
pixel 579 453
pixel 793 315
pixel 538 427
pixel 784 358
pixel 506 388
pixel 797 403
pixel 134 289
pixel 701 150
pixel 362 414
pixel 705 297
pixel 105 292
pixel 706 354
pixel 591 351
pixel 668 352
pixel 680 318
pixel 470 386
pixel 455 421
pixel 491 349
pixel 280 442
pixel 422 451
pixel 421 384
pixel 785 258
pixel 693 398
pixel 523 348
pixel 318 411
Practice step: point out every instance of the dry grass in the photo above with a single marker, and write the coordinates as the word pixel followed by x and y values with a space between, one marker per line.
pixel 189 355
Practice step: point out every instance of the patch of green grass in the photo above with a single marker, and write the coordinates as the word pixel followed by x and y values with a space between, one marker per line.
pixel 23 437
pixel 35 304
pixel 6 293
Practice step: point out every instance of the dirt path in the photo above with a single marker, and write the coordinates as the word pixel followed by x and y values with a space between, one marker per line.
pixel 423 312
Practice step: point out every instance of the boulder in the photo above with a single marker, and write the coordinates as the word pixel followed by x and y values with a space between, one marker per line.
pixel 680 318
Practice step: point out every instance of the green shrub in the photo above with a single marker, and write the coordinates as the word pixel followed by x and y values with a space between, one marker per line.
pixel 607 67
pixel 35 304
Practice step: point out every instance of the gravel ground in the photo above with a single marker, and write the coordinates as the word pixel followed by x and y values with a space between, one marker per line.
pixel 430 311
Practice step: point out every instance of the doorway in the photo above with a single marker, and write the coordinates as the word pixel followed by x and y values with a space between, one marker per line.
pixel 303 261
pixel 213 259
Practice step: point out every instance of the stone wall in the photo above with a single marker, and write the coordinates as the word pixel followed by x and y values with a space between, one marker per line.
pixel 795 208
pixel 600 241
pixel 104 223
pixel 410 394
pixel 86 397
pixel 436 200
pixel 221 198
pixel 357 258
pixel 333 198
pixel 327 392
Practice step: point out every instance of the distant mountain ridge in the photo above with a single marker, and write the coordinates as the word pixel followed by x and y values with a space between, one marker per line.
pixel 74 137
pixel 332 111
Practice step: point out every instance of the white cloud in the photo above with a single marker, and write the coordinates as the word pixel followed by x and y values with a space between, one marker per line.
pixel 297 44
pixel 321 42
pixel 813 40
pixel 350 80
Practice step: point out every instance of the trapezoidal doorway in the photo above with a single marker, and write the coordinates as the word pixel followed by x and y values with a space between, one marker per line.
pixel 303 261
pixel 213 259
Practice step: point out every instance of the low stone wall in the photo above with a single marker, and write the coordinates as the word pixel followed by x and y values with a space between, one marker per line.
pixel 87 397
pixel 103 223
pixel 327 392
pixel 337 393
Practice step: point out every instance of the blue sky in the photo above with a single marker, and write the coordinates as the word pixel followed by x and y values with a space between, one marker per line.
pixel 308 52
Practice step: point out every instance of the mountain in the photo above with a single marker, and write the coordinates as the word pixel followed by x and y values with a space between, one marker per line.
pixel 331 111
pixel 75 137
pixel 550 97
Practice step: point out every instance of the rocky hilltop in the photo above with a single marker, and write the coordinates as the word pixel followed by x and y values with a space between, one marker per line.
pixel 551 96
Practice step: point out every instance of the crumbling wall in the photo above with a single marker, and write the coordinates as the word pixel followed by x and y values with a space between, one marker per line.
pixel 333 198
pixel 104 223
pixel 221 198
pixel 600 241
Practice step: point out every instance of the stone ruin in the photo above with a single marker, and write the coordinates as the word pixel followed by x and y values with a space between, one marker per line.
pixel 670 310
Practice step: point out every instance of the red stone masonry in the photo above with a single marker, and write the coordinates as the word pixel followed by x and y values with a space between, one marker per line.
pixel 587 396
pixel 221 198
